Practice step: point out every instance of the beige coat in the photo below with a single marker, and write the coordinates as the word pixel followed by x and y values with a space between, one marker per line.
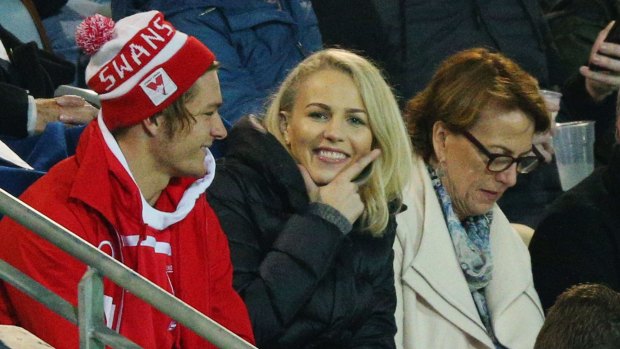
pixel 435 308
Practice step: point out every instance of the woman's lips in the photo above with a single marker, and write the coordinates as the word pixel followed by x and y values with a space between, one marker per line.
pixel 491 195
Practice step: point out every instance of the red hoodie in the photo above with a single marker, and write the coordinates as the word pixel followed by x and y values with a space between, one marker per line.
pixel 181 249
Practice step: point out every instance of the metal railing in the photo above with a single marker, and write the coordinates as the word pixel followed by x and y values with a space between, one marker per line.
pixel 89 318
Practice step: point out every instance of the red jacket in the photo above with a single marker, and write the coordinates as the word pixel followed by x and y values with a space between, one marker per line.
pixel 92 195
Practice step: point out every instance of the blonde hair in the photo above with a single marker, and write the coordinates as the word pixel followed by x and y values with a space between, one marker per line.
pixel 392 169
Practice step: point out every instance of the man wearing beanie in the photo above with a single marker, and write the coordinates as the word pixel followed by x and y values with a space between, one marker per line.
pixel 135 190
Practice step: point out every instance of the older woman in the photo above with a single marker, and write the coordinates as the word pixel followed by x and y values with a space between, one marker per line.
pixel 308 206
pixel 463 277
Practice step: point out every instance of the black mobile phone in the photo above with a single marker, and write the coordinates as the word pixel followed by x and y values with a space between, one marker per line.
pixel 364 175
pixel 613 37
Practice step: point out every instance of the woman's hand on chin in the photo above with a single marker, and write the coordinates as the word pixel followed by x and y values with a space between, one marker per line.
pixel 342 193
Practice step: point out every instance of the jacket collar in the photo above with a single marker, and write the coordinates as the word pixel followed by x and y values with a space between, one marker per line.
pixel 437 263
pixel 436 260
pixel 263 152
pixel 102 163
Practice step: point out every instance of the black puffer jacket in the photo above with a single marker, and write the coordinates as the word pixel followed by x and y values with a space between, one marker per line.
pixel 305 283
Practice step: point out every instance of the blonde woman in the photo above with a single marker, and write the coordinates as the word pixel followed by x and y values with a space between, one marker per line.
pixel 309 207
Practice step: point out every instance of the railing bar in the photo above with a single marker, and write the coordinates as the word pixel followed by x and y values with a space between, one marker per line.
pixel 113 339
pixel 120 274
pixel 90 308
pixel 37 291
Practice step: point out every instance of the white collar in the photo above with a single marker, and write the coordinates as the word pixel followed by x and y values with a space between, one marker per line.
pixel 154 218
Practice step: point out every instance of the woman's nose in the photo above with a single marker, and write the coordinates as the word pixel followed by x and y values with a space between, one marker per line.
pixel 333 130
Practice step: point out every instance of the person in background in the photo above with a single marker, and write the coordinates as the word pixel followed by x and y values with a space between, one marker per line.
pixel 574 26
pixel 26 116
pixel 583 317
pixel 462 274
pixel 257 42
pixel 60 29
pixel 28 78
pixel 599 88
pixel 577 240
pixel 414 37
pixel 308 207
pixel 587 95
pixel 134 190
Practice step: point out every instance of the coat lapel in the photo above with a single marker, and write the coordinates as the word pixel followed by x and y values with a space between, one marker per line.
pixel 434 272
pixel 511 278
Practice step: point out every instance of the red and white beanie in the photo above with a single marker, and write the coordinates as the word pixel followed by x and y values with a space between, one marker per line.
pixel 139 65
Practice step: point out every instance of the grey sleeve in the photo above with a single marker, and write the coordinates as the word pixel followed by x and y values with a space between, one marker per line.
pixel 331 215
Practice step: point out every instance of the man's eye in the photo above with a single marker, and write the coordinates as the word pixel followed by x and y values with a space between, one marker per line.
pixel 206 115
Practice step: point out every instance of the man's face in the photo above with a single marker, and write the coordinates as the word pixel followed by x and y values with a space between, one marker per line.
pixel 183 153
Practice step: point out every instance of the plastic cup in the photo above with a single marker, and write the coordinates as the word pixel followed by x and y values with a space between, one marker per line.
pixel 574 151
pixel 552 102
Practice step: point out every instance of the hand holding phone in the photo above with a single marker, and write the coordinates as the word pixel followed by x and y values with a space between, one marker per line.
pixel 604 80
pixel 613 36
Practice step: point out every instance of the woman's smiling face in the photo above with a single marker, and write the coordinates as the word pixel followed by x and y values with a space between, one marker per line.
pixel 328 127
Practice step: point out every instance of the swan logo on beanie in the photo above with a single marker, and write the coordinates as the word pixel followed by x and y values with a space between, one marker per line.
pixel 139 65
pixel 158 86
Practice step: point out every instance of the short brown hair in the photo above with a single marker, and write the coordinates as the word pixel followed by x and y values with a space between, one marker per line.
pixel 463 86
pixel 584 316
pixel 176 116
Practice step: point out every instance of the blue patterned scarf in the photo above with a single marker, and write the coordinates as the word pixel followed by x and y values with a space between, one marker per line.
pixel 470 239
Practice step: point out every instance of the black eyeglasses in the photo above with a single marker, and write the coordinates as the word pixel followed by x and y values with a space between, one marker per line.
pixel 501 162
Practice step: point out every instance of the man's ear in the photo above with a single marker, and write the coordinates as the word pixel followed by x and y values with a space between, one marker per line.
pixel 440 132
pixel 153 125
pixel 284 126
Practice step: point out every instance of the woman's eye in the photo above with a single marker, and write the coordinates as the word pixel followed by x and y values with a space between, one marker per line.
pixel 318 115
pixel 355 120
